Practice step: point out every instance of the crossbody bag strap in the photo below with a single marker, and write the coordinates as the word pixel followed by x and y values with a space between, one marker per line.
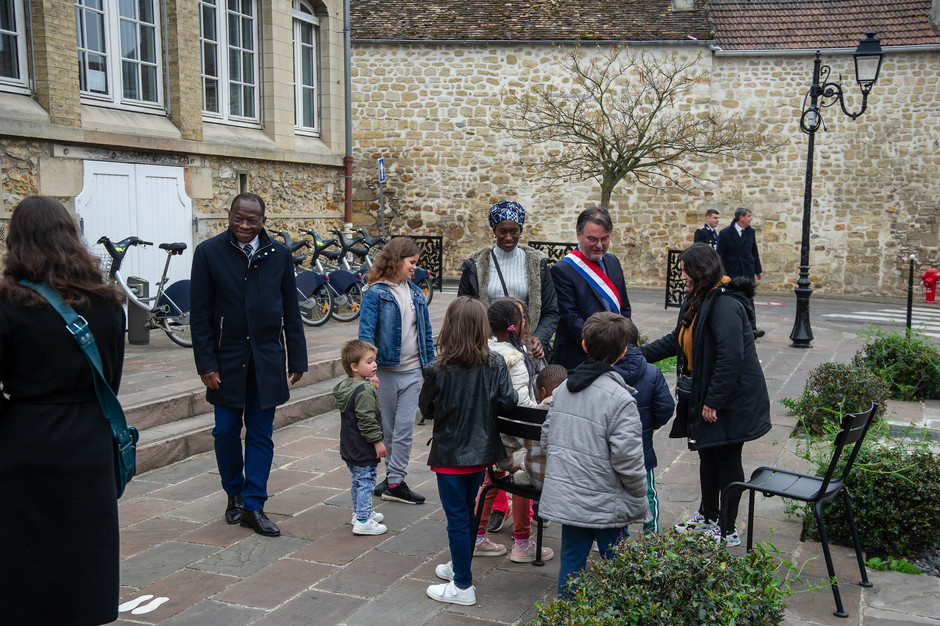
pixel 499 273
pixel 78 327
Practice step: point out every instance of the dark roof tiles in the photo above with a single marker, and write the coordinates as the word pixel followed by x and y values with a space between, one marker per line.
pixel 525 20
pixel 809 24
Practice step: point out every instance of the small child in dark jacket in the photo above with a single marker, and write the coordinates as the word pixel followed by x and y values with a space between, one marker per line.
pixel 360 434
pixel 655 403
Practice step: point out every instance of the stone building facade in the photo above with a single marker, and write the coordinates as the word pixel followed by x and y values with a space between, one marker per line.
pixel 226 97
pixel 427 108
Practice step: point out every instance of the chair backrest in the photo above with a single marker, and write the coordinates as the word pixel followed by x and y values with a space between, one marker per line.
pixel 854 428
pixel 522 422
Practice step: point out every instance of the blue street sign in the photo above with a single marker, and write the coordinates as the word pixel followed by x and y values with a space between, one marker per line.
pixel 381 169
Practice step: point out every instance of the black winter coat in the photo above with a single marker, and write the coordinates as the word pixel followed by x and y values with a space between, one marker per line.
pixel 726 373
pixel 464 405
pixel 240 313
pixel 59 552
pixel 653 398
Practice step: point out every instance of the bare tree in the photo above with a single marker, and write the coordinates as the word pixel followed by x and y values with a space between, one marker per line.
pixel 624 114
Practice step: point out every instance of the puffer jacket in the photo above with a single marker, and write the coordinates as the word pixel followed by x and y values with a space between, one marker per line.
pixel 653 398
pixel 464 405
pixel 595 476
pixel 726 372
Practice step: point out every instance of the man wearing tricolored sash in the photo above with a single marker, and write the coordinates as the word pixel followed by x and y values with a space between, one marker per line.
pixel 587 280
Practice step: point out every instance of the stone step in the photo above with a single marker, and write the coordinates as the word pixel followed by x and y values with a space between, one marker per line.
pixel 192 403
pixel 174 440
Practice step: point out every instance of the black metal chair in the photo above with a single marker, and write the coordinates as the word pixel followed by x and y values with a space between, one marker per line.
pixel 771 481
pixel 526 423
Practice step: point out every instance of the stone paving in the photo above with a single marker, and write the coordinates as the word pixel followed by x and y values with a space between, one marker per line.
pixel 175 544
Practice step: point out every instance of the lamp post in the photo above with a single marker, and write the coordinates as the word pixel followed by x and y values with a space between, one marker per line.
pixel 868 57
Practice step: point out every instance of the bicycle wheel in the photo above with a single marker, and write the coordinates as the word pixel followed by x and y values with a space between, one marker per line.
pixel 177 329
pixel 316 310
pixel 427 288
pixel 346 305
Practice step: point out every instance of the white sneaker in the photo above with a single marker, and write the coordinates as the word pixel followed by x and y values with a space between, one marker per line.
pixel 522 478
pixel 445 571
pixel 451 593
pixel 378 517
pixel 369 527
pixel 695 524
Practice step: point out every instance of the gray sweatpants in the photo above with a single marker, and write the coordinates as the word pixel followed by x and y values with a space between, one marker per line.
pixel 398 400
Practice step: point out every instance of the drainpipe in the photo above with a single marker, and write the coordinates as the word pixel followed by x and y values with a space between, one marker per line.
pixel 348 159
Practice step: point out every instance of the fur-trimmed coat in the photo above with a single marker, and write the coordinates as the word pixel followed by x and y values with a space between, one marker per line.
pixel 542 304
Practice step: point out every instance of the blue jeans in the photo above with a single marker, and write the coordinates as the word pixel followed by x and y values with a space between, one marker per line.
pixel 246 475
pixel 398 398
pixel 458 493
pixel 363 484
pixel 576 546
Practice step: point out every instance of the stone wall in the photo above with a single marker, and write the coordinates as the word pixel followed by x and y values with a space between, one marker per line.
pixel 426 109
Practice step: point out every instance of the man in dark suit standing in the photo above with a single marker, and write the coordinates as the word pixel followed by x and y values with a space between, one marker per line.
pixel 587 280
pixel 737 247
pixel 709 232
pixel 246 327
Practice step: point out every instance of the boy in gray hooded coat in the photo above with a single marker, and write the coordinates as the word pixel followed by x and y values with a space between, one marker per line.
pixel 595 475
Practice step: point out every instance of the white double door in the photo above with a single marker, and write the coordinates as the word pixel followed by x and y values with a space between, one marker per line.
pixel 119 200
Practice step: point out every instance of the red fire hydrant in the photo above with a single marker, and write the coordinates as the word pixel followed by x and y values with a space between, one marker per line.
pixel 930 278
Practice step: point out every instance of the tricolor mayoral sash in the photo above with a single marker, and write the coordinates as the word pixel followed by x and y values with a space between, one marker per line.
pixel 595 277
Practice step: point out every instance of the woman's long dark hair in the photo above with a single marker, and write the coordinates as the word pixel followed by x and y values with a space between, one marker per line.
pixel 703 266
pixel 44 245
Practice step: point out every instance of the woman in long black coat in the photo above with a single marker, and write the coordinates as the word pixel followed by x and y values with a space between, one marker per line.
pixel 729 404
pixel 59 540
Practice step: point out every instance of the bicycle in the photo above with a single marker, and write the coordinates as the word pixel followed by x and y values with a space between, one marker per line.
pixel 343 285
pixel 313 291
pixel 168 309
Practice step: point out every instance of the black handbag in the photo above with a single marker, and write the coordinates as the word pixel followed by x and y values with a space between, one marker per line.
pixel 680 425
pixel 125 437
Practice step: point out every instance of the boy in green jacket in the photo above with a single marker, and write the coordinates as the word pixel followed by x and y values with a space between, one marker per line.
pixel 360 435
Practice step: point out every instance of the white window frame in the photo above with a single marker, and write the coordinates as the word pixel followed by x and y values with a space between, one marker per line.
pixel 218 10
pixel 18 84
pixel 304 15
pixel 113 74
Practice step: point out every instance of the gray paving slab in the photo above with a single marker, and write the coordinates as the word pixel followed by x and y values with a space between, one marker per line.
pixel 160 561
pixel 212 613
pixel 314 607
pixel 249 555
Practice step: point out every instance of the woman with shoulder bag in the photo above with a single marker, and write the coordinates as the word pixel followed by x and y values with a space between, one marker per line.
pixel 727 404
pixel 59 557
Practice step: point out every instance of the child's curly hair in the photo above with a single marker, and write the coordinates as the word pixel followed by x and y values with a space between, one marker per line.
pixel 390 259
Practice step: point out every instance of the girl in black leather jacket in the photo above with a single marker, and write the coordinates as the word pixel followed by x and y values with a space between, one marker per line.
pixel 464 390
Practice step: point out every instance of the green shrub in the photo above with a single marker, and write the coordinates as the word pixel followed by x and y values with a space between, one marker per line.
pixel 893 565
pixel 667 366
pixel 834 389
pixel 667 578
pixel 910 365
pixel 894 485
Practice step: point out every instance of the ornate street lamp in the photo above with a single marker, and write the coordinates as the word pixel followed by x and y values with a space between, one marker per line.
pixel 824 93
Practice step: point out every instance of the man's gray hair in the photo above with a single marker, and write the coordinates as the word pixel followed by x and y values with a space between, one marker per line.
pixel 740 212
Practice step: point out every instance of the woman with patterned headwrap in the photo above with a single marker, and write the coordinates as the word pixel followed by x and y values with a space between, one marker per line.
pixel 508 268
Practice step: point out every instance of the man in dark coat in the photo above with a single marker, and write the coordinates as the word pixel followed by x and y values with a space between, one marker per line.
pixel 587 280
pixel 244 313
pixel 737 247
pixel 709 232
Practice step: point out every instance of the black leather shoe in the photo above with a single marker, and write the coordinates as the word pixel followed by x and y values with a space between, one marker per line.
pixel 758 333
pixel 260 523
pixel 233 513
pixel 382 486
